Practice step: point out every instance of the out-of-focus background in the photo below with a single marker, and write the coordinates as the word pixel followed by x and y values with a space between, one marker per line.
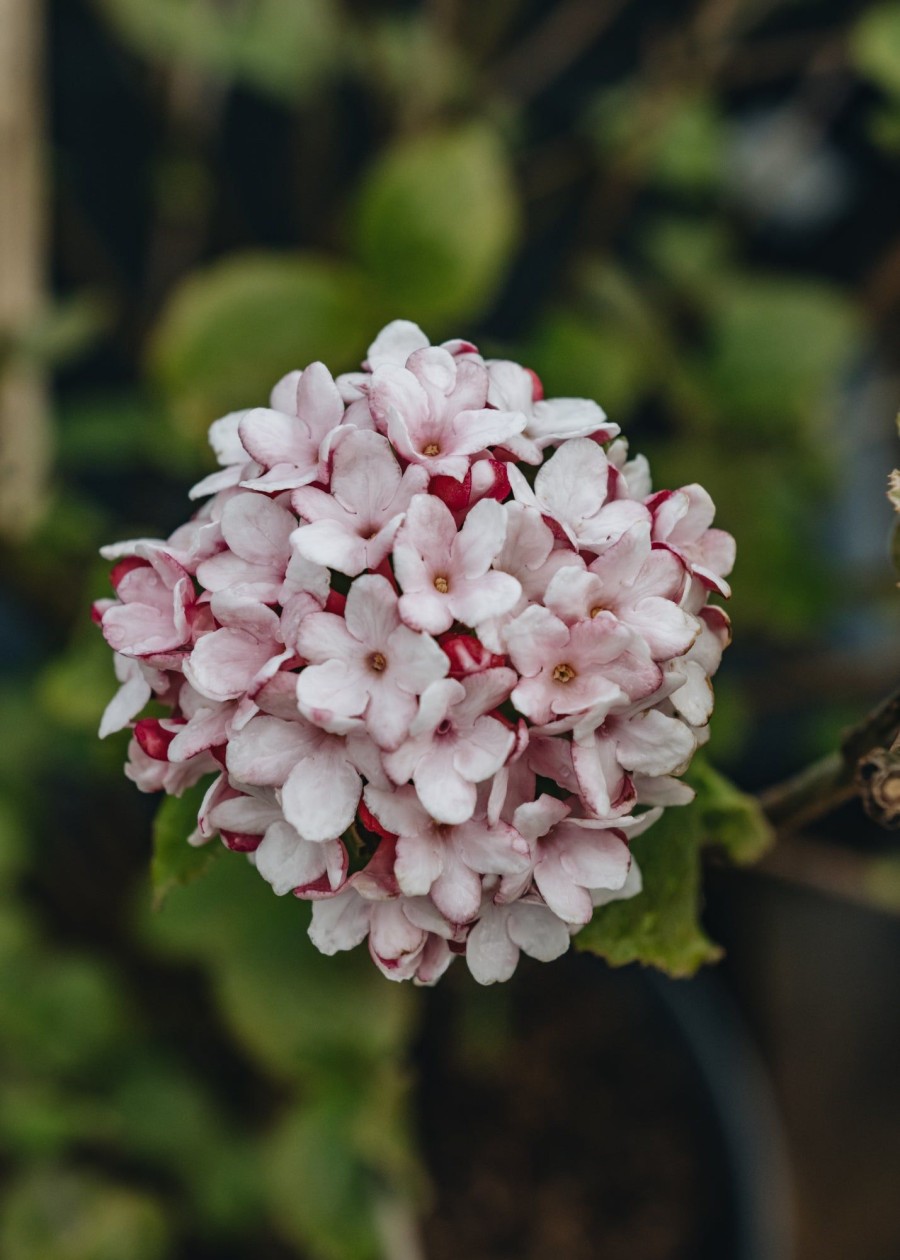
pixel 687 211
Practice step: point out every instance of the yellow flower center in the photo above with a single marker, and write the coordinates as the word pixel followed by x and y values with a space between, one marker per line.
pixel 441 585
pixel 563 673
pixel 432 449
pixel 377 662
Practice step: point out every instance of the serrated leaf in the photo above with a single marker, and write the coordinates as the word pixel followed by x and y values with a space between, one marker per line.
pixel 175 862
pixel 232 329
pixel 437 222
pixel 729 818
pixel 660 926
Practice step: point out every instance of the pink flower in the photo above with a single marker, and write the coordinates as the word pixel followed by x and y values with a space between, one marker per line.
pixel 682 519
pixel 256 532
pixel 572 489
pixel 225 439
pixel 572 857
pixel 398 945
pixel 434 411
pixel 446 861
pixel 548 421
pixel 152 613
pixel 155 774
pixel 353 525
pixel 403 650
pixel 453 744
pixel 318 774
pixel 138 682
pixel 639 585
pixel 367 664
pixel 289 446
pixel 493 944
pixel 592 665
pixel 445 575
pixel 237 658
pixel 529 556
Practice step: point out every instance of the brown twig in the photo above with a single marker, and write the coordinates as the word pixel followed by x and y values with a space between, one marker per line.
pixel 816 792
pixel 819 789
pixel 549 50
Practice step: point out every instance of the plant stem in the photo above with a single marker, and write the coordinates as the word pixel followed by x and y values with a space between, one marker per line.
pixel 815 792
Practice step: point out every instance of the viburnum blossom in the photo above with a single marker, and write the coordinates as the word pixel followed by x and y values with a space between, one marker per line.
pixel 432 650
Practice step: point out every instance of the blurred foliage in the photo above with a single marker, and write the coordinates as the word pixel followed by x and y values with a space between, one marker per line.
pixel 233 329
pixel 245 186
pixel 436 223
pixel 278 48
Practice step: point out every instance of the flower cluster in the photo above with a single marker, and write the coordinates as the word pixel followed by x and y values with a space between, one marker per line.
pixel 440 645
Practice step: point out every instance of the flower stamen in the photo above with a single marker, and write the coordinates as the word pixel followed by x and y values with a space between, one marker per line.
pixel 377 662
pixel 431 449
pixel 563 673
pixel 441 585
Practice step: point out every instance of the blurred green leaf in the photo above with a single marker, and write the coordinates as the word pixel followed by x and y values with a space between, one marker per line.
pixel 55 1213
pixel 584 357
pixel 775 347
pixel 110 431
pixel 729 818
pixel 321 1192
pixel 660 926
pixel 175 862
pixel 232 329
pixel 437 222
pixel 39 1119
pixel 12 839
pixel 295 1009
pixel 769 502
pixel 403 39
pixel 280 49
pixel 690 146
pixel 875 46
pixel 693 254
pixel 165 1116
pixel 59 1012
pixel 75 687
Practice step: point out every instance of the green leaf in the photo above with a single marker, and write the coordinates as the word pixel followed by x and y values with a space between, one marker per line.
pixel 437 222
pixel 280 49
pixel 332 1217
pixel 295 1009
pixel 660 926
pixel 690 147
pixel 175 862
pixel 231 330
pixel 583 357
pixel 59 1214
pixel 776 347
pixel 875 47
pixel 729 817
